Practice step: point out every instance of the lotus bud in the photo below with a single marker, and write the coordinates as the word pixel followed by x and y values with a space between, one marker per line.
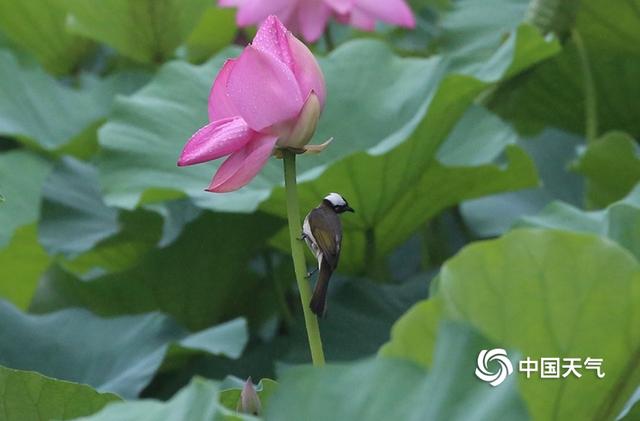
pixel 249 402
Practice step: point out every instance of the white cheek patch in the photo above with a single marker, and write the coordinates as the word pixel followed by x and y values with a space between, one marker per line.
pixel 335 199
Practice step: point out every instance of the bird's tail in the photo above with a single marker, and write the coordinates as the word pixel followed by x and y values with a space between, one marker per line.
pixel 318 302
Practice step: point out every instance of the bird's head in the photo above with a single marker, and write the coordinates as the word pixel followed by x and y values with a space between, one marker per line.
pixel 337 203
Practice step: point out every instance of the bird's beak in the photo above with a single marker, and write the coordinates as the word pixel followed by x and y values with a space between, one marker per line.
pixel 350 209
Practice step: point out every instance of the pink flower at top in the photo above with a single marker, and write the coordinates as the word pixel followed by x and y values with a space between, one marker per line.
pixel 309 18
pixel 271 96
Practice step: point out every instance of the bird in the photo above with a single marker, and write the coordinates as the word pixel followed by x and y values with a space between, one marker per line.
pixel 322 232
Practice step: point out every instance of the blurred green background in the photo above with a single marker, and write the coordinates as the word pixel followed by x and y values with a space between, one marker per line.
pixel 502 120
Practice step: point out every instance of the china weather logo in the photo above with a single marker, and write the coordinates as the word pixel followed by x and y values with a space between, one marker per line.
pixel 505 368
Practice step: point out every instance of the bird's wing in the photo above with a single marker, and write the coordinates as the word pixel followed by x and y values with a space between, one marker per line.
pixel 327 232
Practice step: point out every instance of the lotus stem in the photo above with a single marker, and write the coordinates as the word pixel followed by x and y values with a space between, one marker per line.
pixel 299 263
pixel 590 96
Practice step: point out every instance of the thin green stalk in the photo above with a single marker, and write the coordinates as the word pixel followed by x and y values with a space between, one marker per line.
pixel 376 269
pixel 590 98
pixel 370 252
pixel 279 291
pixel 328 39
pixel 297 253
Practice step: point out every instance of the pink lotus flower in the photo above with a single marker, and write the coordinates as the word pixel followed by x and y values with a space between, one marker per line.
pixel 310 17
pixel 271 96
